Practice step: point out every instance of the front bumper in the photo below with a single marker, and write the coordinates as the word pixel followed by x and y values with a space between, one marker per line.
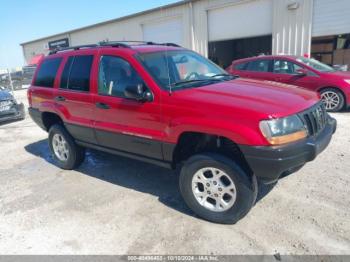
pixel 269 163
pixel 14 113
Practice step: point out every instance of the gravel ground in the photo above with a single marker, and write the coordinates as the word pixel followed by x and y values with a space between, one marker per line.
pixel 113 205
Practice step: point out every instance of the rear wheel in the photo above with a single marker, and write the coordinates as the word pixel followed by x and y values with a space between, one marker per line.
pixel 333 99
pixel 216 188
pixel 67 154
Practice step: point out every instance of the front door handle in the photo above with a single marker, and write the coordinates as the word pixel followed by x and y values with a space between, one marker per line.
pixel 102 105
pixel 60 98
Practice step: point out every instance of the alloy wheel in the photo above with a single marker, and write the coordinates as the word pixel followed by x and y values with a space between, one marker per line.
pixel 60 147
pixel 214 189
pixel 330 99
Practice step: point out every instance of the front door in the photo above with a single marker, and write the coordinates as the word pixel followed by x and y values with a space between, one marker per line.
pixel 125 124
pixel 287 72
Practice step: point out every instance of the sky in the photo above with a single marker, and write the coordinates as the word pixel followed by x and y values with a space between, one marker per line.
pixel 22 21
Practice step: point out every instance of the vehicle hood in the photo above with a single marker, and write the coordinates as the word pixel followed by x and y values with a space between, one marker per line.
pixel 264 98
pixel 4 95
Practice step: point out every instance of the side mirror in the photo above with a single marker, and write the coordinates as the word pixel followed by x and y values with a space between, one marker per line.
pixel 139 93
pixel 301 72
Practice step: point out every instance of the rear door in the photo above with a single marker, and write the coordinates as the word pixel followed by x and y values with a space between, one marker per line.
pixel 73 96
pixel 124 124
pixel 260 69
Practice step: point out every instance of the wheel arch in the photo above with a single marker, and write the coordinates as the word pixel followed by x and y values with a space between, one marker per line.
pixel 331 87
pixel 49 119
pixel 190 143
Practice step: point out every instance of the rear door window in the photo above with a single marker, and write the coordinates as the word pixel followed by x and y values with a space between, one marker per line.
pixel 76 73
pixel 260 66
pixel 241 66
pixel 65 73
pixel 47 72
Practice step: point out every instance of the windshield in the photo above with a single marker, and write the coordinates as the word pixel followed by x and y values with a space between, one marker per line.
pixel 317 65
pixel 182 69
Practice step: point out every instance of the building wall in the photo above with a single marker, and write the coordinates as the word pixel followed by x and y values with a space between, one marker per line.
pixel 39 47
pixel 331 17
pixel 128 29
pixel 291 29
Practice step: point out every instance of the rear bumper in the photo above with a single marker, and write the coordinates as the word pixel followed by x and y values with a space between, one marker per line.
pixel 16 112
pixel 36 115
pixel 269 163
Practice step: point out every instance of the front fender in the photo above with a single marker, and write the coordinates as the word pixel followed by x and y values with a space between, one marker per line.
pixel 240 132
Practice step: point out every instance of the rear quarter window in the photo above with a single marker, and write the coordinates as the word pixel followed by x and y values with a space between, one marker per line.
pixel 47 72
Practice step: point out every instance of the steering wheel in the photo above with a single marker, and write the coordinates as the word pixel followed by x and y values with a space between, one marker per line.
pixel 192 76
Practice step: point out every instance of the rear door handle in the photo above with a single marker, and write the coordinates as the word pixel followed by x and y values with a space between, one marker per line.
pixel 60 98
pixel 102 105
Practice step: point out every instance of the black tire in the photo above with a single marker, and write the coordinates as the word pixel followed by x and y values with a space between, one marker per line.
pixel 76 153
pixel 338 93
pixel 246 187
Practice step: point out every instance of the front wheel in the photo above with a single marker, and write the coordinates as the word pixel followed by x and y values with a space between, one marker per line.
pixel 217 189
pixel 67 154
pixel 333 99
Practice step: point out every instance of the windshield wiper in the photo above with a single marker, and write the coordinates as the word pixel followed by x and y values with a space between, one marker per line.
pixel 211 79
pixel 188 82
pixel 224 75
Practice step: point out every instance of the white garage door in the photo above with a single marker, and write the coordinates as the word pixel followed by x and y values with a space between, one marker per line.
pixel 166 31
pixel 331 17
pixel 241 20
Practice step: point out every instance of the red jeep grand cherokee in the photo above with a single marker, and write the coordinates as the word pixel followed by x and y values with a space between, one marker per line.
pixel 170 106
pixel 311 74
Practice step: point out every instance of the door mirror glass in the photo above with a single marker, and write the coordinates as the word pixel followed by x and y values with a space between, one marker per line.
pixel 138 92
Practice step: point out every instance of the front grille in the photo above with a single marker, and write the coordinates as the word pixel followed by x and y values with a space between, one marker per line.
pixel 315 119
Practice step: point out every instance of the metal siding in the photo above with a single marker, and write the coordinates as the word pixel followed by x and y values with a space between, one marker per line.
pixel 331 17
pixel 292 28
pixel 167 31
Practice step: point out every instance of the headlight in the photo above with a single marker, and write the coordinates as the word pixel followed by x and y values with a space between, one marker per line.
pixel 283 130
pixel 347 81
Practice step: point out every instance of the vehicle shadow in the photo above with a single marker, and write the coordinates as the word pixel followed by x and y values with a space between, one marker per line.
pixel 132 174
pixel 6 122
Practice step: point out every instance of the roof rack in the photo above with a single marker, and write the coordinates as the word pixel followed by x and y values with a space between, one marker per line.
pixel 108 43
pixel 124 42
pixel 59 49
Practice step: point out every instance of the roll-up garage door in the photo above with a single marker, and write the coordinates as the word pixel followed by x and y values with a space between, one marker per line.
pixel 331 17
pixel 247 19
pixel 165 31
